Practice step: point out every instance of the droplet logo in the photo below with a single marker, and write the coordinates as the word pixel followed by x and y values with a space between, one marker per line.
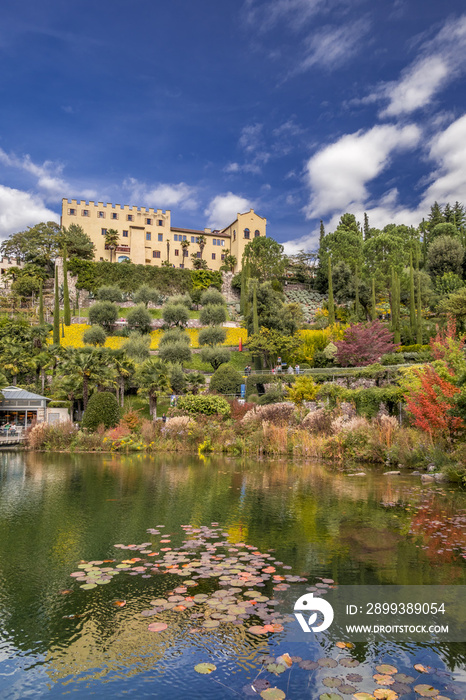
pixel 308 604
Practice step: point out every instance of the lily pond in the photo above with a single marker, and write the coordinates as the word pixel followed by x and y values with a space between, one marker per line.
pixel 175 577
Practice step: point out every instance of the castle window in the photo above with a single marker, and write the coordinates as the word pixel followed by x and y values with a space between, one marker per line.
pixel 257 233
pixel 85 212
pixel 125 234
pixel 175 237
pixel 213 256
pixel 177 252
pixel 198 254
pixel 160 222
pixel 185 253
pixel 184 238
pixel 149 222
pixel 222 242
pixel 160 237
pixel 214 241
pixel 223 256
pixel 182 266
pixel 193 239
pixel 72 212
pixel 148 236
pixel 114 215
pixel 101 215
pixel 246 233
pixel 156 253
pixel 234 235
pixel 129 217
pixel 103 231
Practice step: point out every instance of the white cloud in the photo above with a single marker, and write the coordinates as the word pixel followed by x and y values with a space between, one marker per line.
pixel 448 149
pixel 162 195
pixel 417 86
pixel 331 47
pixel 267 14
pixel 439 61
pixel 337 175
pixel 224 208
pixel 251 137
pixel 48 175
pixel 19 209
pixel 446 183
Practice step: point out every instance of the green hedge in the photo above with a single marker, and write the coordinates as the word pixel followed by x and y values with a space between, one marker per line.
pixel 366 401
pixel 413 348
pixel 129 277
pixel 201 403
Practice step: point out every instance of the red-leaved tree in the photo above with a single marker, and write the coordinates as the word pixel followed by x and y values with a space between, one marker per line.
pixel 363 344
pixel 431 405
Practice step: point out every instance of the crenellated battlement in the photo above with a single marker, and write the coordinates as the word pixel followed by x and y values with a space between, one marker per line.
pixel 126 208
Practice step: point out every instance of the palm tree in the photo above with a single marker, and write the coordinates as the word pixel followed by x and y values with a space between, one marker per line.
pixel 90 366
pixel 184 247
pixel 201 241
pixel 153 378
pixel 112 238
pixel 124 368
pixel 229 263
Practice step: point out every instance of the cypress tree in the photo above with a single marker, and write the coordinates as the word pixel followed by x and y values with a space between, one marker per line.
pixel 397 337
pixel 373 309
pixel 41 304
pixel 56 311
pixel 356 298
pixel 255 316
pixel 412 303
pixel 419 307
pixel 66 295
pixel 331 305
pixel 366 228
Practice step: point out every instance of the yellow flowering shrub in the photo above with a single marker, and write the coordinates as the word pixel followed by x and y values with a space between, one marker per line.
pixel 74 337
pixel 314 341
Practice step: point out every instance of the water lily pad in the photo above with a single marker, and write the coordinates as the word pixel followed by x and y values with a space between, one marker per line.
pixel 403 678
pixel 401 688
pixel 308 665
pixel 273 694
pixel 354 678
pixel 349 663
pixel 332 682
pixel 363 696
pixel 427 691
pixel 157 627
pixel 385 694
pixel 386 668
pixel 88 586
pixel 205 668
pixel 383 679
pixel 327 662
pixel 211 624
pixel 276 668
pixel 330 696
pixel 346 689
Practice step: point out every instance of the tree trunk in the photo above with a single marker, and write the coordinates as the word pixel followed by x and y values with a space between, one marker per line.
pixel 42 378
pixel 122 391
pixel 85 391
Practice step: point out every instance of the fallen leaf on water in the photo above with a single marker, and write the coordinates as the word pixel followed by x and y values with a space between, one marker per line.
pixel 363 696
pixel 119 603
pixel 157 627
pixel 421 668
pixel 285 659
pixel 383 679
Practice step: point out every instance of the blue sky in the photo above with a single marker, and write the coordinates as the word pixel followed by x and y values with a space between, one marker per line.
pixel 301 109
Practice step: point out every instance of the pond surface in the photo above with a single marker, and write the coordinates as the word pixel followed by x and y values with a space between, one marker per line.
pixel 275 528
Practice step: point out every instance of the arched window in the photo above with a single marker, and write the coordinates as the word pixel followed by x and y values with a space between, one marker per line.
pixel 246 233
pixel 256 233
pixel 123 258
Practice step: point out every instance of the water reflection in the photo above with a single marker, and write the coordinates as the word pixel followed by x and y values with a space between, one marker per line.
pixel 56 510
